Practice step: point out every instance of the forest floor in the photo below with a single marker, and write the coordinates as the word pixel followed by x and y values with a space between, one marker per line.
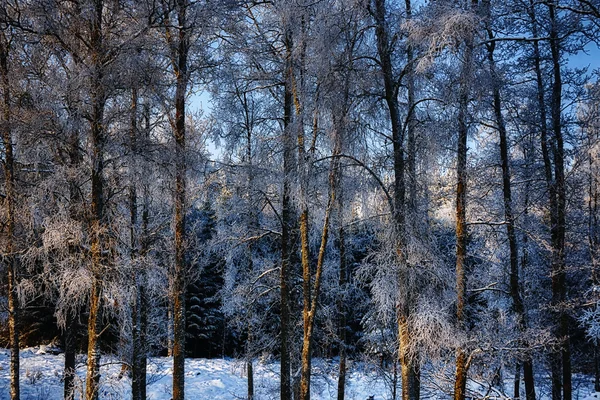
pixel 213 379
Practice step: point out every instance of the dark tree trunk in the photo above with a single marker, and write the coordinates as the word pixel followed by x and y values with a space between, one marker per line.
pixel 411 123
pixel 410 371
pixel 286 225
pixel 143 301
pixel 9 204
pixel 71 324
pixel 461 204
pixel 559 273
pixel 341 307
pixel 137 345
pixel 69 368
pixel 515 289
pixel 179 40
pixel 546 146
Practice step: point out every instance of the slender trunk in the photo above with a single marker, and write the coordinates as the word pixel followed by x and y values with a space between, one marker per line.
pixel 71 325
pixel 461 238
pixel 593 229
pixel 528 361
pixel 547 146
pixel 561 360
pixel 170 323
pixel 286 216
pixel 9 204
pixel 137 344
pixel 395 380
pixel 311 311
pixel 69 367
pixel 341 308
pixel 517 382
pixel 411 121
pixel 143 301
pixel 461 204
pixel 515 290
pixel 410 371
pixel 93 355
pixel 250 372
pixel 97 204
pixel 179 62
pixel 596 369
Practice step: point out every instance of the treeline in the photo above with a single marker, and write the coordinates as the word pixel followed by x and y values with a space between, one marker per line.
pixel 416 184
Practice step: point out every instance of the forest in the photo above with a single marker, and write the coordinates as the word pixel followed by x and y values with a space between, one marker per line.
pixel 412 186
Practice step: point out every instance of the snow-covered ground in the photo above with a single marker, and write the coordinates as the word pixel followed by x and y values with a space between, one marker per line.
pixel 205 379
pixel 217 379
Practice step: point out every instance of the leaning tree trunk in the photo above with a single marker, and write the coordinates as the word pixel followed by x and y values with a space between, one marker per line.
pixel 310 311
pixel 9 204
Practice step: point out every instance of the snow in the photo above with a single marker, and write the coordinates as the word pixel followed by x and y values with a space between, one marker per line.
pixel 214 379
pixel 220 379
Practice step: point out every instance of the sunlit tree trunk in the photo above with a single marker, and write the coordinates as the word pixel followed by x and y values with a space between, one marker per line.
pixel 310 312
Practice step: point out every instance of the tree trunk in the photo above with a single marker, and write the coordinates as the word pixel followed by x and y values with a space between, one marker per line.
pixel 137 345
pixel 140 373
pixel 559 273
pixel 9 203
pixel 341 307
pixel 311 297
pixel 250 372
pixel 596 369
pixel 69 367
pixel 71 325
pixel 310 312
pixel 409 365
pixel 286 225
pixel 97 204
pixel 180 69
pixel 411 122
pixel 461 221
pixel 515 290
